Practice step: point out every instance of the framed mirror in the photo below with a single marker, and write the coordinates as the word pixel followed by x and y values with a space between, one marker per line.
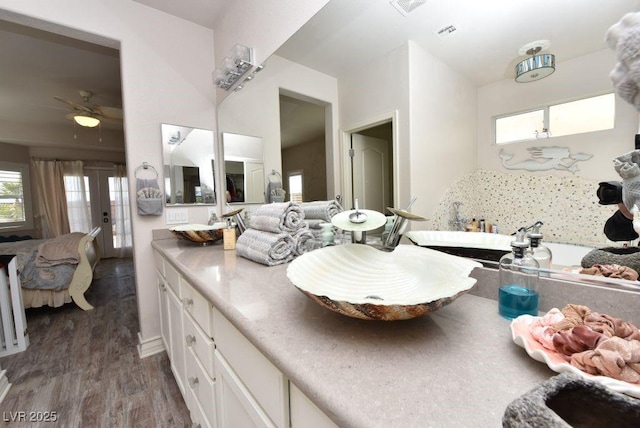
pixel 188 165
pixel 244 168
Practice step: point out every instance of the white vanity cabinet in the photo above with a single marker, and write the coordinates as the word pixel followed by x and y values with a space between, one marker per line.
pixel 185 327
pixel 226 382
pixel 250 387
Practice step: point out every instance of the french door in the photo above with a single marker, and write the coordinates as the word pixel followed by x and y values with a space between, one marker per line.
pixel 108 212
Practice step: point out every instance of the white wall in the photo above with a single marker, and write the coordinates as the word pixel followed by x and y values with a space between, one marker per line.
pixel 374 90
pixel 575 78
pixel 443 129
pixel 166 78
pixel 262 25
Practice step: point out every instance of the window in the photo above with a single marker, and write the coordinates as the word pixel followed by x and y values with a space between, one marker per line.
pixel 15 198
pixel 295 186
pixel 570 118
pixel 78 203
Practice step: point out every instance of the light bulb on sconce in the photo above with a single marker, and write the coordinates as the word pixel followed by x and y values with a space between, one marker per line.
pixel 233 67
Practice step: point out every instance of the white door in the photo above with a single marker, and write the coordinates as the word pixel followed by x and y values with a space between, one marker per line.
pixel 104 209
pixel 253 182
pixel 370 172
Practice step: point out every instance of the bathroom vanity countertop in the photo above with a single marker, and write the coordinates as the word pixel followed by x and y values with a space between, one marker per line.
pixel 455 367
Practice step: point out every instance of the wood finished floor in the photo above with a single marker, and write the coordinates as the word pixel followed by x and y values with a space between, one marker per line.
pixel 85 365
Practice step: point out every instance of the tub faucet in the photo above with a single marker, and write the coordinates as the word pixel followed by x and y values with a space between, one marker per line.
pixel 457 222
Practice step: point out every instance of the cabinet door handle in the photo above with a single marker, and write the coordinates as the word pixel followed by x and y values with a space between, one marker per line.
pixel 193 382
pixel 188 301
pixel 190 339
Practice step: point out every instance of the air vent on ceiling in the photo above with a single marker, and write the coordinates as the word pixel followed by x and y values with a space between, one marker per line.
pixel 446 31
pixel 406 6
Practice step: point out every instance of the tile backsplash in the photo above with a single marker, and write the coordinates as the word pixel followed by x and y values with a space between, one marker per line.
pixel 567 205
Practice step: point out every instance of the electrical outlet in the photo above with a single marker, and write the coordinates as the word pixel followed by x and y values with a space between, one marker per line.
pixel 177 216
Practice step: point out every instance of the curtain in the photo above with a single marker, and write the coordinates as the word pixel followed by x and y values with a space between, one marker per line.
pixel 49 177
pixel 78 207
pixel 121 214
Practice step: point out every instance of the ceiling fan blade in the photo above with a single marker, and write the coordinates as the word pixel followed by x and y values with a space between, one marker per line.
pixel 109 112
pixel 73 105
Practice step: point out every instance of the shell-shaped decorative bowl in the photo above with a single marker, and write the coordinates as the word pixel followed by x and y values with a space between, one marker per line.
pixel 199 233
pixel 362 282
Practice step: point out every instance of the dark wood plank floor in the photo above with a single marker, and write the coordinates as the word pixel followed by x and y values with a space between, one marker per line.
pixel 84 366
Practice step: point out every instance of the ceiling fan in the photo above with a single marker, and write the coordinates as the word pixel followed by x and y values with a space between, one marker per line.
pixel 88 114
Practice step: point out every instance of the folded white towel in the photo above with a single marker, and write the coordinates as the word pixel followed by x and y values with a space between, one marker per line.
pixel 265 247
pixel 624 38
pixel 628 166
pixel 278 217
pixel 618 29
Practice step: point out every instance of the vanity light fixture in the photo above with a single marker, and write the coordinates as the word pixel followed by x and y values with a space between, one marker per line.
pixel 537 66
pixel 234 66
pixel 86 120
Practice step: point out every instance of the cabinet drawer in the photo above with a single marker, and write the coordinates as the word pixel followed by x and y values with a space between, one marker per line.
pixel 201 385
pixel 173 277
pixel 262 379
pixel 198 418
pixel 197 306
pixel 201 345
pixel 159 262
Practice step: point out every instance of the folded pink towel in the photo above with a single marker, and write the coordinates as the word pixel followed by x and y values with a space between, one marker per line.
pixel 615 357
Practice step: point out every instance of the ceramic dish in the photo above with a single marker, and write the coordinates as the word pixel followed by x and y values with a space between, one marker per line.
pixel 374 220
pixel 361 282
pixel 522 337
pixel 406 214
pixel 199 233
pixel 479 245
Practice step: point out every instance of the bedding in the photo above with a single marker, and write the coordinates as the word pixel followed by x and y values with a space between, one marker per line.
pixel 55 271
pixel 47 275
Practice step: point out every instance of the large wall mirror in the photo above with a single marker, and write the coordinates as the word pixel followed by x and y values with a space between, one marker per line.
pixel 445 74
pixel 188 165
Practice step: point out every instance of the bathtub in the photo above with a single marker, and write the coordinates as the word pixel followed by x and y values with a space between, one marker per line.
pixel 491 246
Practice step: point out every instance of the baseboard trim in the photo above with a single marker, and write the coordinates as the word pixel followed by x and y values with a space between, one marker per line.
pixel 149 347
pixel 4 385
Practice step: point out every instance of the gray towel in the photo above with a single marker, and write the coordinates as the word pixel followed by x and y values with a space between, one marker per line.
pixel 148 197
pixel 304 241
pixel 272 185
pixel 321 210
pixel 265 247
pixel 278 217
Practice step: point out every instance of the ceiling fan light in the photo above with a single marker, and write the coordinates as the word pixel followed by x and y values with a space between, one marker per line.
pixel 87 121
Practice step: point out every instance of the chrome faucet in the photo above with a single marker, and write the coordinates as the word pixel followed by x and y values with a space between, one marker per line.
pixel 457 222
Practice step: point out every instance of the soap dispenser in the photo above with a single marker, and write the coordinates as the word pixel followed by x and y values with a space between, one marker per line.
pixel 518 293
pixel 538 251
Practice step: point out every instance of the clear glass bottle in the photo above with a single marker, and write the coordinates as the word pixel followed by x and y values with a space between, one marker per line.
pixel 538 251
pixel 518 292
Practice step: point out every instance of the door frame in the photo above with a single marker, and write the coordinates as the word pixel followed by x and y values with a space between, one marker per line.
pixel 345 160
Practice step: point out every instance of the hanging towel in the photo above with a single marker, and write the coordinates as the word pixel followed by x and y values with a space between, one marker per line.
pixel 148 197
pixel 274 192
pixel 278 217
pixel 265 247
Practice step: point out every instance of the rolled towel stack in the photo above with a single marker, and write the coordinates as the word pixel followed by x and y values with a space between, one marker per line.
pixel 624 38
pixel 318 212
pixel 277 234
pixel 321 210
pixel 267 248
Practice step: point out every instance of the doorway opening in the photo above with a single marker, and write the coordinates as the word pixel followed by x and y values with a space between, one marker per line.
pixel 369 165
pixel 305 147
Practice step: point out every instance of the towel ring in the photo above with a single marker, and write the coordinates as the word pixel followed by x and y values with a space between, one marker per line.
pixel 145 166
pixel 276 173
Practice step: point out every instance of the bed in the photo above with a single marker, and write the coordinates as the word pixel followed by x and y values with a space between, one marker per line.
pixel 55 271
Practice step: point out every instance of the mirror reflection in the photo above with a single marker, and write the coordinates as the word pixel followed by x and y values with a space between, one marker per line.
pixel 188 165
pixel 441 92
pixel 244 169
